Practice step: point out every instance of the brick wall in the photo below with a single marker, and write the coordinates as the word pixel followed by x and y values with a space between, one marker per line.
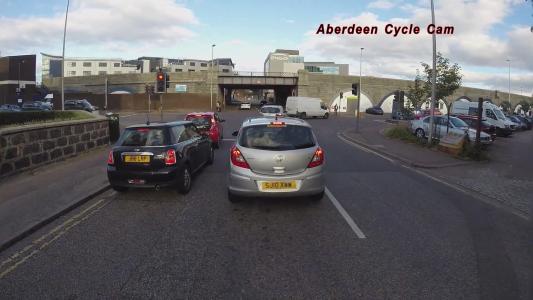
pixel 25 148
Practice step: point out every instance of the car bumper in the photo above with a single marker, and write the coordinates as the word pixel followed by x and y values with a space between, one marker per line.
pixel 142 179
pixel 244 182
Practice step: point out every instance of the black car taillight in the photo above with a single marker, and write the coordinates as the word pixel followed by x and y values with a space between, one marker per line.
pixel 110 158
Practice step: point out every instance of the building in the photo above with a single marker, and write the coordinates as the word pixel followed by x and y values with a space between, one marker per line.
pixel 222 65
pixel 17 79
pixel 82 66
pixel 284 61
pixel 327 68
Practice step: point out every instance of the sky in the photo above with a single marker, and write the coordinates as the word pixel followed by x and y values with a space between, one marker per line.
pixel 486 33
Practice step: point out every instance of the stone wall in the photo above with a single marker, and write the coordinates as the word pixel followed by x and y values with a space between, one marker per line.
pixel 27 147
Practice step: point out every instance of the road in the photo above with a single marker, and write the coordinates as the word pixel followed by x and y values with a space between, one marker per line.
pixel 418 239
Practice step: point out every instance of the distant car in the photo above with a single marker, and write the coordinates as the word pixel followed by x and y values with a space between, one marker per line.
pixel 456 125
pixel 426 112
pixel 271 111
pixel 208 123
pixel 403 115
pixel 158 155
pixel 513 124
pixel 485 126
pixel 262 103
pixel 80 105
pixel 10 107
pixel 276 158
pixel 521 124
pixel 246 105
pixel 376 110
pixel 527 121
pixel 35 106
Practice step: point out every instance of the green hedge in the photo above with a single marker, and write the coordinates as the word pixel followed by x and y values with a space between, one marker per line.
pixel 25 117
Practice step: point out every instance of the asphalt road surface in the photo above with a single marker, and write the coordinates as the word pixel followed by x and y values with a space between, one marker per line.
pixel 383 231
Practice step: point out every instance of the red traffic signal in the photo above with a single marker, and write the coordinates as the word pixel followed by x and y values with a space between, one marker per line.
pixel 160 76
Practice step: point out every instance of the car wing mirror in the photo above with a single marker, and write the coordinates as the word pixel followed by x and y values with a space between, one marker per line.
pixel 235 133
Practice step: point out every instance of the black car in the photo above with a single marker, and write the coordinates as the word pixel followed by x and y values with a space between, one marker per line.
pixel 80 105
pixel 374 110
pixel 158 155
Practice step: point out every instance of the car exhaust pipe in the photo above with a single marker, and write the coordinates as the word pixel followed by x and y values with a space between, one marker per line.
pixel 157 188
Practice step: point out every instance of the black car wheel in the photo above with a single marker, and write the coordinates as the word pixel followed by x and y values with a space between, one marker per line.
pixel 303 115
pixel 184 180
pixel 326 115
pixel 211 156
pixel 119 188
pixel 420 133
pixel 233 198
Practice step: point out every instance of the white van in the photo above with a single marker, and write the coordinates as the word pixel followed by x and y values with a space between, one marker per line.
pixel 306 107
pixel 492 114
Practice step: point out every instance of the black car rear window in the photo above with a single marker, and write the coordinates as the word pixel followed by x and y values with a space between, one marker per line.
pixel 288 137
pixel 144 137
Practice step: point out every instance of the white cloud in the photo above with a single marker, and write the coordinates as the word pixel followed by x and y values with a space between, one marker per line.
pixel 100 23
pixel 473 44
pixel 382 4
pixel 290 21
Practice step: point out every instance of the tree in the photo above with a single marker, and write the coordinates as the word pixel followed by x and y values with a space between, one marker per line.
pixel 525 105
pixel 416 93
pixel 506 106
pixel 448 78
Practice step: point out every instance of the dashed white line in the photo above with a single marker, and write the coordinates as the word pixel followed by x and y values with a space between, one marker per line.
pixel 345 215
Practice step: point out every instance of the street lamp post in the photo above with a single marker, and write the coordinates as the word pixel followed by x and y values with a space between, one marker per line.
pixel 63 61
pixel 509 91
pixel 211 82
pixel 359 91
pixel 19 88
pixel 433 77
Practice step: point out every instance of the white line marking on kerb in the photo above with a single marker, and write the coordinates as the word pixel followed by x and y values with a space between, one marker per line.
pixel 345 215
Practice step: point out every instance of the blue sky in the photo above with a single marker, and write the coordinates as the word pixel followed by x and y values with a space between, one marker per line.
pixel 487 32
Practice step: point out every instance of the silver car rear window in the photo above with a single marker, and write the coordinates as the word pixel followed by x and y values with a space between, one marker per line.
pixel 270 110
pixel 279 138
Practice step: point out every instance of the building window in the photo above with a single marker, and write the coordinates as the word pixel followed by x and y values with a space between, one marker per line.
pixel 192 64
pixel 72 64
pixel 225 70
pixel 179 70
pixel 86 73
pixel 203 65
pixel 191 70
pixel 116 65
pixel 72 73
pixel 87 64
pixel 102 64
pixel 102 72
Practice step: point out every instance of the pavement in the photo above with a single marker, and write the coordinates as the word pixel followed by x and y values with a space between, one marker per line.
pixel 422 239
pixel 505 180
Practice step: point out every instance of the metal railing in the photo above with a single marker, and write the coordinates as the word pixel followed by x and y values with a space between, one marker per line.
pixel 258 74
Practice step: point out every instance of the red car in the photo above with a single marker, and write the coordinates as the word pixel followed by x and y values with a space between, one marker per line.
pixel 210 123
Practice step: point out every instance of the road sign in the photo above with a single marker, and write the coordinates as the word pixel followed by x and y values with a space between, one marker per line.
pixel 181 88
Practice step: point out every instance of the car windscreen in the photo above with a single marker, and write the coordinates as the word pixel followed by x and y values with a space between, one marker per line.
pixel 277 138
pixel 458 122
pixel 270 110
pixel 201 122
pixel 143 137
pixel 499 114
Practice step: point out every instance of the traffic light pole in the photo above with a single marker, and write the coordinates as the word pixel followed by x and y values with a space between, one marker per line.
pixel 161 107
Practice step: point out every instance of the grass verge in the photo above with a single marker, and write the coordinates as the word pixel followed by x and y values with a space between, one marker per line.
pixel 11 119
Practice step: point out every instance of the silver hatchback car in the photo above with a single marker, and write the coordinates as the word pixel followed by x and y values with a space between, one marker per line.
pixel 276 157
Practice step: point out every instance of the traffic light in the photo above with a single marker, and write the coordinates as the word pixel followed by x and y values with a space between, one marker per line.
pixel 161 84
pixel 167 81
pixel 355 87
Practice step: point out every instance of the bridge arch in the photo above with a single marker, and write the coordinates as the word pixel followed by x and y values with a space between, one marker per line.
pixel 365 101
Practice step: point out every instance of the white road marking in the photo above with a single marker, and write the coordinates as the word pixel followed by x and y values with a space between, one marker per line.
pixel 345 215
pixel 365 149
pixel 131 115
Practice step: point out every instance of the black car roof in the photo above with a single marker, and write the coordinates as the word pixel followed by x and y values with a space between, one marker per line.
pixel 155 125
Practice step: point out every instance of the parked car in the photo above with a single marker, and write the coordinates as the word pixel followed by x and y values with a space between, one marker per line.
pixel 303 107
pixel 277 158
pixel 246 105
pixel 80 105
pixel 403 115
pixel 271 110
pixel 262 103
pixel 521 124
pixel 456 125
pixel 512 124
pixel 35 106
pixel 527 121
pixel 209 123
pixel 485 126
pixel 376 110
pixel 158 155
pixel 10 107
